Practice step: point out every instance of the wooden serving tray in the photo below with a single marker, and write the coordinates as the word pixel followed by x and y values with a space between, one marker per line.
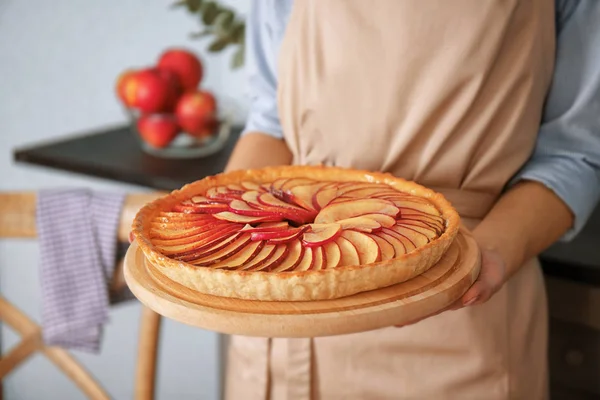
pixel 432 291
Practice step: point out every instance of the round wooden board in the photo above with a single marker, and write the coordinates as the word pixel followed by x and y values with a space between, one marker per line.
pixel 437 288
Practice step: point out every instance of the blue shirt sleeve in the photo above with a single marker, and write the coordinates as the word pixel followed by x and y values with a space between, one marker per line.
pixel 567 155
pixel 264 31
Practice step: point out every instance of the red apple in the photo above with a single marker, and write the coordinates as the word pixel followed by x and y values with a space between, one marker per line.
pixel 158 130
pixel 125 87
pixel 184 64
pixel 152 91
pixel 196 113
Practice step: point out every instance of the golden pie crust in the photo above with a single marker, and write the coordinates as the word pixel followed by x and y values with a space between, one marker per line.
pixel 294 285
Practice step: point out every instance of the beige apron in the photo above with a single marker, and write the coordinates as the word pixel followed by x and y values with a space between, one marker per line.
pixel 446 93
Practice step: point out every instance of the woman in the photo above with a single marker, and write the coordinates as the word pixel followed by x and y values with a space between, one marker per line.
pixel 449 94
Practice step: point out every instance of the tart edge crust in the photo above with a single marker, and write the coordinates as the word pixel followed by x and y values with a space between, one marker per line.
pixel 296 285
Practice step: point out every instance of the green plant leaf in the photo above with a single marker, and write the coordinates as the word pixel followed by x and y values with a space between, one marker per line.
pixel 218 45
pixel 237 32
pixel 192 5
pixel 209 12
pixel 223 20
pixel 237 60
pixel 201 34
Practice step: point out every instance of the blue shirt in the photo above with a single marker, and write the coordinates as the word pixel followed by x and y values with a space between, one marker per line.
pixel 567 155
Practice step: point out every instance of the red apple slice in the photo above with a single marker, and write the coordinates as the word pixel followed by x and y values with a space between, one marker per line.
pixel 293 182
pixel 251 197
pixel 367 248
pixel 225 252
pixel 208 208
pixel 267 199
pixel 434 222
pixel 196 238
pixel 361 224
pixel 387 249
pixel 418 238
pixel 355 208
pixel 385 221
pixel 319 261
pixel 250 185
pixel 204 248
pixel 274 260
pixel 277 183
pixel 266 227
pixel 365 191
pixel 421 227
pixel 333 255
pixel 351 187
pixel 324 196
pixel 406 242
pixel 349 254
pixel 307 260
pixel 233 187
pixel 303 195
pixel 398 244
pixel 240 207
pixel 319 234
pixel 245 219
pixel 293 257
pixel 282 236
pixel 265 253
pixel 241 257
pixel 406 205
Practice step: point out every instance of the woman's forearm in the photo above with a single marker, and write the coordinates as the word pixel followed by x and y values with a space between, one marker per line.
pixel 524 222
pixel 257 150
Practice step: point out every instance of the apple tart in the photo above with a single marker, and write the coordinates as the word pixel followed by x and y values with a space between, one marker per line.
pixel 295 233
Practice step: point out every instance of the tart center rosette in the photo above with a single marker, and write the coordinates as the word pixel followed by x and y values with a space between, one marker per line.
pixel 295 224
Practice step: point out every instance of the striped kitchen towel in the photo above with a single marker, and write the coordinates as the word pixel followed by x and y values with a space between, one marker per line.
pixel 77 230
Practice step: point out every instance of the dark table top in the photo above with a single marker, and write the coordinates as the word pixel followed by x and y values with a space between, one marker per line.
pixel 116 154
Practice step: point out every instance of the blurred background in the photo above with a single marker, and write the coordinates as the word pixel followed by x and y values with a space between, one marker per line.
pixel 60 62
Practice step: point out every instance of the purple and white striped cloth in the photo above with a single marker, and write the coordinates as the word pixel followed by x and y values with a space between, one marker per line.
pixel 77 230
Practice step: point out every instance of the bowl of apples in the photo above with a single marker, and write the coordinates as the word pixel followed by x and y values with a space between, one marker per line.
pixel 170 113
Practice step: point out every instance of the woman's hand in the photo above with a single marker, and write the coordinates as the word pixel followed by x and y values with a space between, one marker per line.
pixel 490 280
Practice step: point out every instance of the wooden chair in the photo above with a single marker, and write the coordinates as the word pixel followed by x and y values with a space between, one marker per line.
pixel 17 220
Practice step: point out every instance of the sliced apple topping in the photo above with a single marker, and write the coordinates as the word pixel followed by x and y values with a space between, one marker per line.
pixel 295 224
pixel 320 234
pixel 355 208
pixel 366 247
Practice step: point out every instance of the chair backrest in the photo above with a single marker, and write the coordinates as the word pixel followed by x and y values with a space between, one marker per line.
pixel 17 213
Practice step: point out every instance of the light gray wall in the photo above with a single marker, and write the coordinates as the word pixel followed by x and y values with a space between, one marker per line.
pixel 58 63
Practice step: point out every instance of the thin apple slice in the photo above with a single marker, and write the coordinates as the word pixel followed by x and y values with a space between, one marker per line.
pixel 361 224
pixel 277 183
pixel 267 199
pixel 208 208
pixel 280 236
pixel 409 245
pixel 225 252
pixel 435 222
pixel 355 208
pixel 293 182
pixel 365 191
pixel 196 237
pixel 419 226
pixel 251 197
pixel 293 257
pixel 387 249
pixel 265 253
pixel 233 187
pixel 240 207
pixel 367 248
pixel 319 261
pixel 303 195
pixel 248 185
pixel 278 256
pixel 333 255
pixel 159 233
pixel 324 196
pixel 319 234
pixel 266 227
pixel 241 257
pixel 385 221
pixel 166 216
pixel 245 219
pixel 349 254
pixel 397 243
pixel 352 187
pixel 405 205
pixel 204 248
pixel 307 260
pixel 179 224
pixel 418 238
